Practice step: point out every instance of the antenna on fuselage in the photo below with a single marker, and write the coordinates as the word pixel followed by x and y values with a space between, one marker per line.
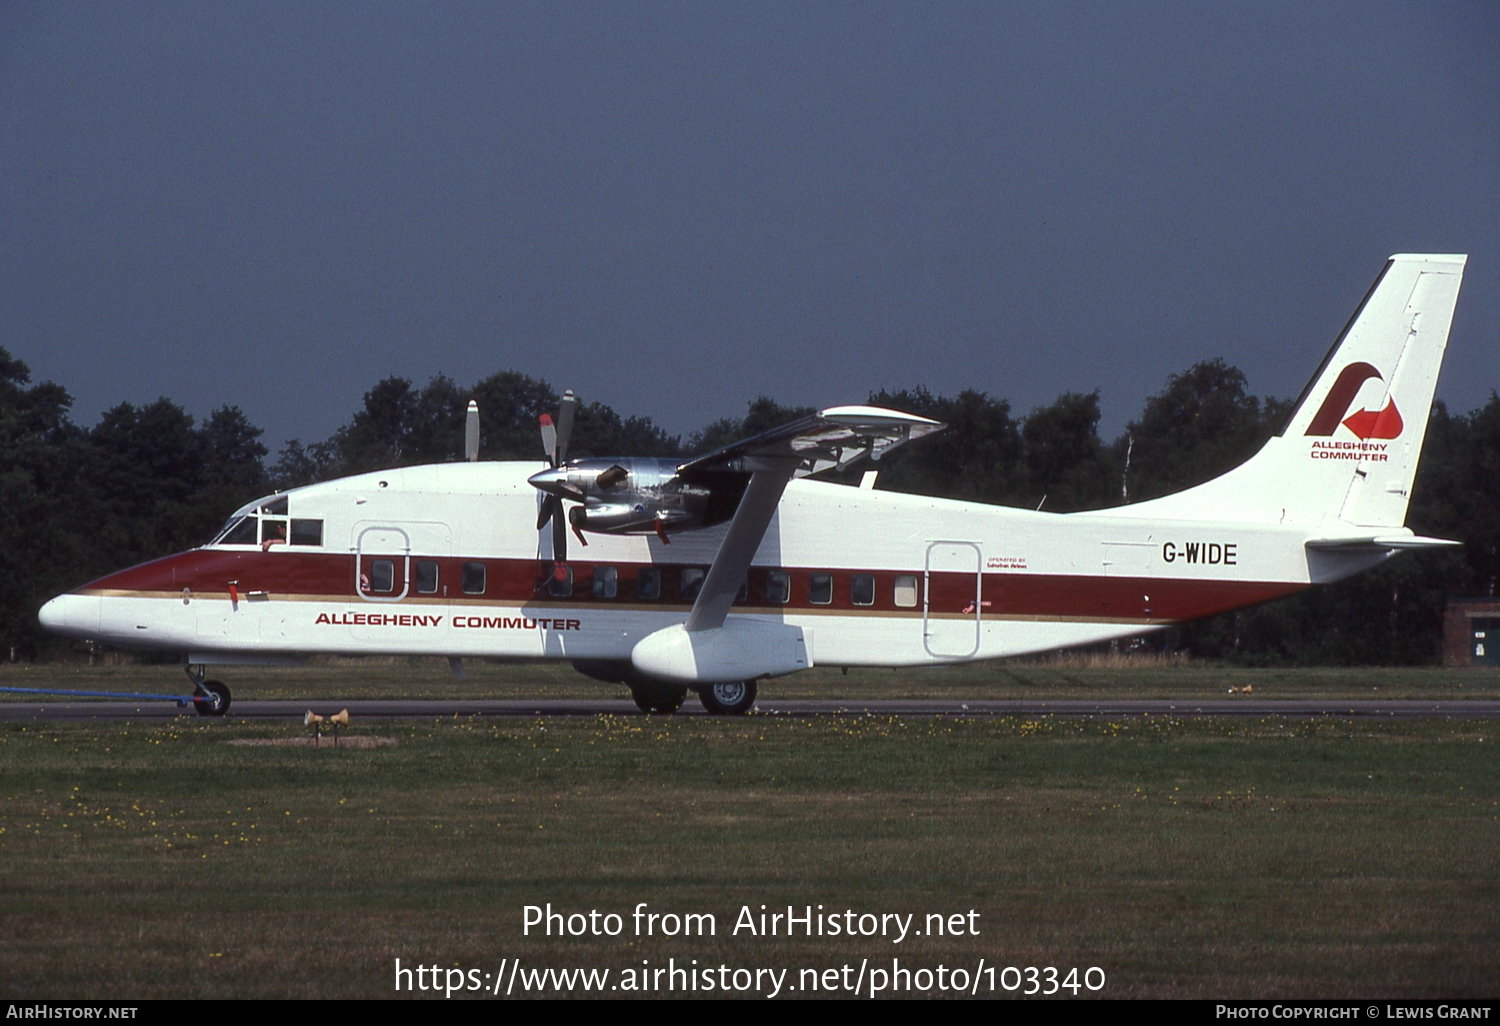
pixel 471 432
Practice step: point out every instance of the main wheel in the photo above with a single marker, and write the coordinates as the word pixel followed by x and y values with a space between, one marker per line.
pixel 735 698
pixel 211 698
pixel 658 698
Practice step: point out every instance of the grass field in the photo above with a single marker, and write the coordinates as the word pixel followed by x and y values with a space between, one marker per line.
pixel 329 680
pixel 1185 858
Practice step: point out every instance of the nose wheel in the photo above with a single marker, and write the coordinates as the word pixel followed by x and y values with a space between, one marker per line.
pixel 211 698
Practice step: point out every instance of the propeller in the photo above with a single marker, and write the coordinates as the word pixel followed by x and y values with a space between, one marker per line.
pixel 471 432
pixel 555 448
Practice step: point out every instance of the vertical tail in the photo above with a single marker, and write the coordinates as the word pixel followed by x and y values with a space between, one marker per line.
pixel 1349 450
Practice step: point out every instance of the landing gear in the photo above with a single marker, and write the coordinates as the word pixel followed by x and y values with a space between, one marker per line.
pixel 652 697
pixel 735 698
pixel 210 697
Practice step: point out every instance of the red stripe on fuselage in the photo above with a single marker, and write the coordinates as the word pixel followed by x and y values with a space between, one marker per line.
pixel 331 577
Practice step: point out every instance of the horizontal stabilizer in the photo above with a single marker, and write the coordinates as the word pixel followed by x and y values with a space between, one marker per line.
pixel 1381 543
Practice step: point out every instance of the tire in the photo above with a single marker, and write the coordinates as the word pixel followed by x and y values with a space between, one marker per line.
pixel 211 699
pixel 734 698
pixel 664 699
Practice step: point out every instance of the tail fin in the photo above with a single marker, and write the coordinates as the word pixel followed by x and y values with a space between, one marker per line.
pixel 1349 450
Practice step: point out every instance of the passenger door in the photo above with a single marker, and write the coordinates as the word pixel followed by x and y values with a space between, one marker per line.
pixel 386 558
pixel 952 605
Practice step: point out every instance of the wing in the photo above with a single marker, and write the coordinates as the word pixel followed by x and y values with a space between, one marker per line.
pixel 834 437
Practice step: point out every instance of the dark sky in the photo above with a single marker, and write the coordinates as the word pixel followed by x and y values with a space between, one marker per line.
pixel 673 207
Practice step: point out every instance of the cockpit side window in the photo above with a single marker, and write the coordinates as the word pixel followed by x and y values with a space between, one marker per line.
pixel 265 522
pixel 307 532
pixel 272 531
pixel 244 531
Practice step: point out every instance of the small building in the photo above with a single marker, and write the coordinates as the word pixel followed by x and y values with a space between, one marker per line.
pixel 1471 632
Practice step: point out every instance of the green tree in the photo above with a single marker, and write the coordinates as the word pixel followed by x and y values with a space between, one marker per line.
pixel 1067 466
pixel 234 470
pixel 510 404
pixel 297 464
pixel 47 511
pixel 978 458
pixel 763 414
pixel 399 425
pixel 600 431
pixel 1472 492
pixel 1200 425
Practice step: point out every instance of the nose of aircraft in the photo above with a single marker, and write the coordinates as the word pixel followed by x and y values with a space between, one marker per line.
pixel 71 614
pixel 54 614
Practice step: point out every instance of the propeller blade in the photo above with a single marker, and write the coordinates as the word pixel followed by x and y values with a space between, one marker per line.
pixel 549 439
pixel 550 506
pixel 555 445
pixel 566 411
pixel 559 536
pixel 471 432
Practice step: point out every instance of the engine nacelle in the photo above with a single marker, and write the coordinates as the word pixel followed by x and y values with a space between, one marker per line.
pixel 639 496
pixel 742 649
pixel 628 517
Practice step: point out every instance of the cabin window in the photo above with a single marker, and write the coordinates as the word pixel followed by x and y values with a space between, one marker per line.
pixel 307 532
pixel 242 533
pixel 560 583
pixel 472 579
pixel 778 587
pixel 606 582
pixel 382 575
pixel 692 583
pixel 862 589
pixel 275 507
pixel 905 591
pixel 744 592
pixel 426 578
pixel 648 584
pixel 820 589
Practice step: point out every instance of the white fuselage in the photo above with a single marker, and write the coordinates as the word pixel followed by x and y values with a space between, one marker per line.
pixel 940 581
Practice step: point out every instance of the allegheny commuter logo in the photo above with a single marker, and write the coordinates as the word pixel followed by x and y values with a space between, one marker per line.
pixel 1365 424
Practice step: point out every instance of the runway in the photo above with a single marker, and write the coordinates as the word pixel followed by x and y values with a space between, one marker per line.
pixel 1462 709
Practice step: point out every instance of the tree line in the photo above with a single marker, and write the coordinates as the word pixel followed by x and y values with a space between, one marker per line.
pixel 145 481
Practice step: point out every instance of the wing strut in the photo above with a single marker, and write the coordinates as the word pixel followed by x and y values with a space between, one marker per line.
pixel 746 530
